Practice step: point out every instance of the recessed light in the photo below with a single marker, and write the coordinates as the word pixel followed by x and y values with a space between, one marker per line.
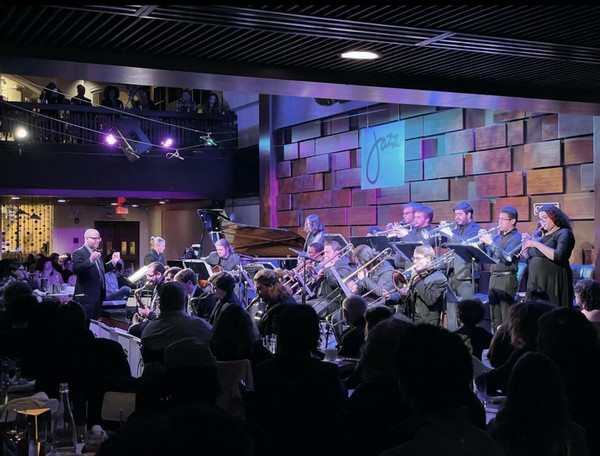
pixel 360 55
pixel 114 204
pixel 62 200
pixel 162 202
pixel 15 197
pixel 135 205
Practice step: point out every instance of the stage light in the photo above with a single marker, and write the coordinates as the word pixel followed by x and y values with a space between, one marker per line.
pixel 111 139
pixel 167 143
pixel 21 133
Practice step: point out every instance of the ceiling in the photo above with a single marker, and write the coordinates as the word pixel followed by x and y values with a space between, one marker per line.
pixel 543 58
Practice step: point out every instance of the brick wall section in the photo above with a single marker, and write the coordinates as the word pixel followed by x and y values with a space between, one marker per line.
pixel 491 159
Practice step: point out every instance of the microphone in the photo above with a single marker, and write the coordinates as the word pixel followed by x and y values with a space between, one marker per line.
pixel 252 302
pixel 303 254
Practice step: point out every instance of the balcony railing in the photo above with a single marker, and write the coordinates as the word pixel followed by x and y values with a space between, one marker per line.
pixel 74 124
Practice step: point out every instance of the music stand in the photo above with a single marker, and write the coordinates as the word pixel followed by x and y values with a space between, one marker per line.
pixel 471 254
pixel 379 243
pixel 335 237
pixel 405 249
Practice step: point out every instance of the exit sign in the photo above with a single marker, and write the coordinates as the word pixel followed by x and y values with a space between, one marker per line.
pixel 121 210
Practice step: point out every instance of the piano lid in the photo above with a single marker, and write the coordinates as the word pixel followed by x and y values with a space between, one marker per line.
pixel 255 241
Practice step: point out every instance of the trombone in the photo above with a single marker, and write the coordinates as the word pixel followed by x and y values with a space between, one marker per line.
pixel 370 265
pixel 518 250
pixel 406 278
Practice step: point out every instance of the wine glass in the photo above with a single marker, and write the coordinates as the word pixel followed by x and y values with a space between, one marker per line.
pixel 18 428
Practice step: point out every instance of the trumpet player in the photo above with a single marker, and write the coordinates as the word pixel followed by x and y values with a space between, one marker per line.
pixel 548 257
pixel 503 281
pixel 425 290
pixel 461 278
pixel 423 218
pixel 372 278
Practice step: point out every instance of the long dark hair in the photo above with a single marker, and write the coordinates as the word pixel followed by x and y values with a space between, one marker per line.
pixel 557 216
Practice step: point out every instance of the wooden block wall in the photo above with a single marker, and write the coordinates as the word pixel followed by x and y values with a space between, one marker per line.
pixel 490 159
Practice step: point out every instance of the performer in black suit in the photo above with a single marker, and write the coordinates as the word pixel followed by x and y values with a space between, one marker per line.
pixel 90 288
pixel 157 245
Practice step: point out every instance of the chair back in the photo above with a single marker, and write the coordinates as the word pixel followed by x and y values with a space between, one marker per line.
pixel 117 406
pixel 230 373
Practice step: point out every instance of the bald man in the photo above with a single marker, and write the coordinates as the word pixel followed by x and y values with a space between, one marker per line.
pixel 90 288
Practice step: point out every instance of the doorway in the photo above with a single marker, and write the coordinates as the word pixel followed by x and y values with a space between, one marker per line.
pixel 123 237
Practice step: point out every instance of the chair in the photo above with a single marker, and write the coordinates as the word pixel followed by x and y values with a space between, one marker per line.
pixel 117 406
pixel 248 401
pixel 230 373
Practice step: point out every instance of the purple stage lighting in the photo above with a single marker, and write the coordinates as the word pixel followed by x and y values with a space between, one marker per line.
pixel 110 139
pixel 167 143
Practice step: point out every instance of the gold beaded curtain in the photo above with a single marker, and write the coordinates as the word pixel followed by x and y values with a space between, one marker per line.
pixel 28 227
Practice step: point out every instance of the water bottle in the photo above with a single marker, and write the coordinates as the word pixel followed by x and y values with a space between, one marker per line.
pixel 64 434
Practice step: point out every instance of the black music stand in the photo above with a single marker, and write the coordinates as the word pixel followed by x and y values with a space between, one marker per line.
pixel 379 243
pixel 405 249
pixel 336 237
pixel 471 254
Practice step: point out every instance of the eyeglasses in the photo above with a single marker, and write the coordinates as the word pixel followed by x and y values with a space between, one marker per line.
pixel 503 219
pixel 95 238
pixel 542 218
pixel 150 275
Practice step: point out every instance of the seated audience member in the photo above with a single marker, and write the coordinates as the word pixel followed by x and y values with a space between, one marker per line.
pixel 172 325
pixel 235 336
pixel 571 341
pixel 52 95
pixel 365 424
pixel 110 97
pixel 80 99
pixel 298 396
pixel 46 269
pixel 213 106
pixel 470 312
pixel 374 315
pixel 440 426
pixel 114 290
pixel 535 385
pixel 223 286
pixel 143 102
pixel 186 102
pixel 67 270
pixel 353 338
pixel 587 297
pixel 17 342
pixel 90 365
pixel 523 327
pixel 11 271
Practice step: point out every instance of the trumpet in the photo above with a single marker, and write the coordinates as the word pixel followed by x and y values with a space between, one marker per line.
pixel 396 230
pixel 518 250
pixel 407 278
pixel 481 232
pixel 436 231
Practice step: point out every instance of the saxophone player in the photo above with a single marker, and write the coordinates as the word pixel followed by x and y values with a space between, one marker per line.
pixel 503 281
pixel 424 292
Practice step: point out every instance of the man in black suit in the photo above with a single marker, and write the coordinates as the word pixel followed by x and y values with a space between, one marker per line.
pixel 90 288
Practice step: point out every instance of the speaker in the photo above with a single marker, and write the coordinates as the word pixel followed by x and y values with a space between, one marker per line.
pixel 135 140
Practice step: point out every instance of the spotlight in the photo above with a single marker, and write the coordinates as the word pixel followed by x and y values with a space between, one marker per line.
pixel 110 139
pixel 167 143
pixel 21 133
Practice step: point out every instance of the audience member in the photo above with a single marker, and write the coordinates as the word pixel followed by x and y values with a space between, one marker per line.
pixel 115 291
pixel 470 312
pixel 143 102
pixel 298 396
pixel 534 418
pixel 17 342
pixel 571 341
pixel 46 272
pixel 172 324
pixel 365 424
pixel 523 327
pixel 80 99
pixel 434 376
pixel 67 270
pixel 52 95
pixel 11 271
pixel 374 315
pixel 353 338
pixel 223 287
pixel 235 336
pixel 213 105
pixel 186 103
pixel 110 97
pixel 90 365
pixel 587 297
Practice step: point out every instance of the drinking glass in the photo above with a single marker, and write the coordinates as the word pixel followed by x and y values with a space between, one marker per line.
pixel 480 388
pixel 17 429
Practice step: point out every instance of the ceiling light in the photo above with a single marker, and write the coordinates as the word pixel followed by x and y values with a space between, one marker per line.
pixel 114 204
pixel 162 202
pixel 62 200
pixel 15 197
pixel 360 55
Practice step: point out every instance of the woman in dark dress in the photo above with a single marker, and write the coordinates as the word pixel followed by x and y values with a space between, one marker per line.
pixel 548 265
